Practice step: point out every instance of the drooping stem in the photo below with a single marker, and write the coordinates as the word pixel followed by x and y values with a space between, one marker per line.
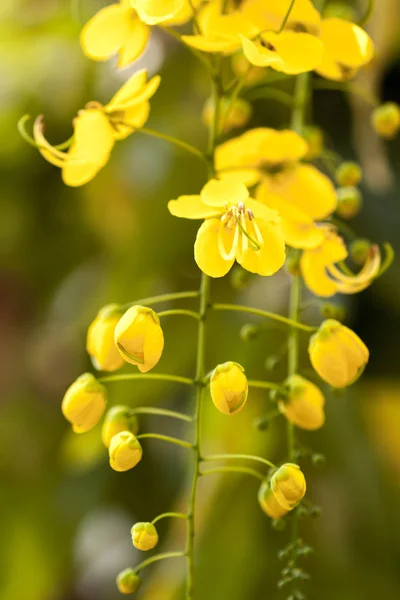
pixel 154 376
pixel 368 13
pixel 162 412
pixel 173 515
pixel 172 140
pixel 165 438
pixel 181 312
pixel 158 557
pixel 234 469
pixel 160 299
pixel 250 457
pixel 264 313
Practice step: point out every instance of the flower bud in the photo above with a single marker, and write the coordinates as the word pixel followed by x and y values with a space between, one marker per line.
pixel 139 337
pixel 84 403
pixel 359 251
pixel 128 581
pixel 288 485
pixel 239 277
pixel 292 264
pixel 144 536
pixel 337 354
pixel 268 502
pixel 304 406
pixel 349 202
pixel 232 114
pixel 125 451
pixel 229 388
pixel 242 69
pixel 249 332
pixel 117 419
pixel 386 120
pixel 100 339
pixel 348 174
pixel 314 137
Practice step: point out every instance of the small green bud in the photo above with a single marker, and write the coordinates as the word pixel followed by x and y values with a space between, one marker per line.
pixel 293 264
pixel 303 512
pixel 359 251
pixel 314 137
pixel 261 423
pixel 278 524
pixel 349 202
pixel 240 278
pixel 385 120
pixel 249 332
pixel 128 582
pixel 316 512
pixel 329 310
pixel 318 460
pixel 348 174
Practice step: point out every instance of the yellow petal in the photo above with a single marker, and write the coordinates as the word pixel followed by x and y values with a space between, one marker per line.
pixel 106 32
pixel 134 91
pixel 192 207
pixel 157 11
pixel 51 154
pixel 270 15
pixel 346 43
pixel 211 44
pixel 271 256
pixel 225 192
pixel 133 118
pixel 206 250
pixel 262 211
pixel 135 42
pixel 304 406
pixel 313 270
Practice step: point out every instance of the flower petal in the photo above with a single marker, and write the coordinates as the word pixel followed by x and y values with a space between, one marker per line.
pixel 106 32
pixel 156 11
pixel 206 250
pixel 135 43
pixel 271 256
pixel 313 270
pixel 133 118
pixel 225 192
pixel 134 91
pixel 192 207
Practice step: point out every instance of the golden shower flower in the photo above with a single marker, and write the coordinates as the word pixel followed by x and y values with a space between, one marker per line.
pixel 84 403
pixel 324 278
pixel 229 388
pixel 231 114
pixel 299 192
pixel 115 29
pixel 346 48
pixel 153 12
pixel 235 227
pixel 304 403
pixel 117 419
pixel 269 503
pixel 337 354
pixel 100 339
pixel 139 337
pixel 125 451
pixel 385 120
pixel 128 582
pixel 144 536
pixel 288 485
pixel 97 127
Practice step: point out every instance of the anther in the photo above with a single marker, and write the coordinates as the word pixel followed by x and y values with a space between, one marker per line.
pixel 250 214
pixel 268 45
pixel 240 207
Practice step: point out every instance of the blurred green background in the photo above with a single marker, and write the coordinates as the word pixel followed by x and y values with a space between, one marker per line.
pixel 65 516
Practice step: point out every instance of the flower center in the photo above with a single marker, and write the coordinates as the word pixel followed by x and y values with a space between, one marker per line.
pixel 242 224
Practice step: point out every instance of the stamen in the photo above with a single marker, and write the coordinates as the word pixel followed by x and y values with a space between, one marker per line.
pixel 267 45
pixel 258 233
pixel 250 214
pixel 230 255
pixel 240 207
pixel 253 244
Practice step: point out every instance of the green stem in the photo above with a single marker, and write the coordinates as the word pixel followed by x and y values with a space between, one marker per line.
pixel 268 92
pixel 368 13
pixel 179 311
pixel 174 515
pixel 264 313
pixel 161 298
pixel 237 469
pixel 347 88
pixel 172 140
pixel 164 438
pixel 259 459
pixel 163 412
pixel 158 557
pixel 265 385
pixel 286 18
pixel 154 376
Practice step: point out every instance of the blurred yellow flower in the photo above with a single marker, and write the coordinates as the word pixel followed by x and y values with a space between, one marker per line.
pixel 153 12
pixel 128 582
pixel 139 337
pixel 117 419
pixel 236 227
pixel 324 278
pixel 84 403
pixel 346 48
pixel 97 127
pixel 229 388
pixel 288 485
pixel 231 114
pixel 100 339
pixel 115 29
pixel 269 503
pixel 144 536
pixel 337 354
pixel 125 451
pixel 304 404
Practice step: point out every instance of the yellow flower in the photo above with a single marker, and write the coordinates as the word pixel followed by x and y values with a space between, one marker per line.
pixel 139 337
pixel 304 404
pixel 153 12
pixel 115 29
pixel 288 485
pixel 125 451
pixel 346 48
pixel 299 192
pixel 229 388
pixel 337 354
pixel 303 16
pixel 128 582
pixel 100 339
pixel 324 278
pixel 144 536
pixel 236 226
pixel 117 419
pixel 97 127
pixel 269 503
pixel 386 120
pixel 231 114
pixel 84 403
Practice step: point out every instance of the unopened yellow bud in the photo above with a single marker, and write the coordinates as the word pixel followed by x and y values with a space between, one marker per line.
pixel 304 404
pixel 349 202
pixel 337 354
pixel 348 174
pixel 229 388
pixel 144 536
pixel 232 114
pixel 100 339
pixel 359 251
pixel 268 502
pixel 139 337
pixel 386 120
pixel 84 403
pixel 314 137
pixel 117 419
pixel 128 581
pixel 288 485
pixel 125 451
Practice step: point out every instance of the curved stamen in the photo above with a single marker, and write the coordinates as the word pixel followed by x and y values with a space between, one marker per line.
pixel 253 244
